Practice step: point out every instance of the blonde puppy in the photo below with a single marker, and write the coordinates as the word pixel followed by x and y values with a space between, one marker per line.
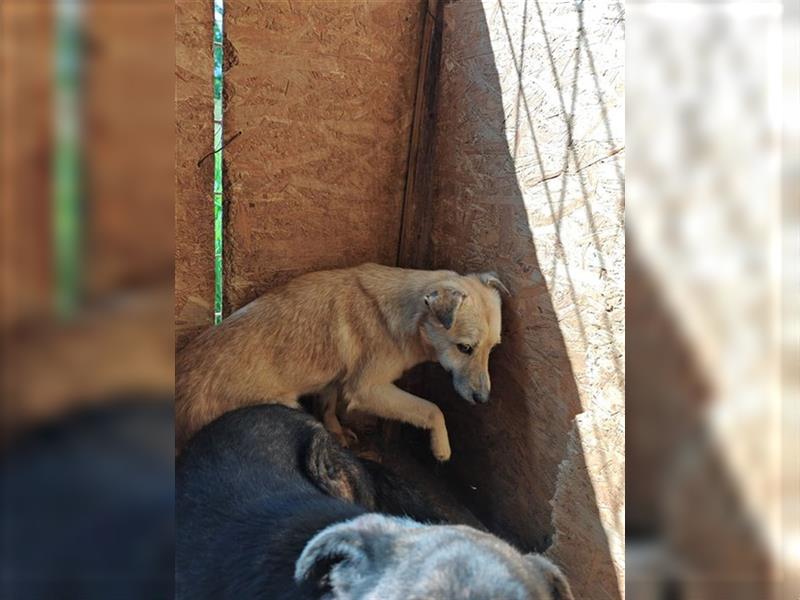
pixel 351 332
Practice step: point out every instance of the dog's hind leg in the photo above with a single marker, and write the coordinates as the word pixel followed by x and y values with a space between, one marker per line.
pixel 329 398
pixel 390 402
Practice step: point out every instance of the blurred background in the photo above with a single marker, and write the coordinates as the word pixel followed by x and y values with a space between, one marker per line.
pixel 712 308
pixel 86 298
pixel 713 322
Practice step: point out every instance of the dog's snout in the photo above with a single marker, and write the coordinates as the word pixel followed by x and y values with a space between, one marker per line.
pixel 480 392
pixel 480 397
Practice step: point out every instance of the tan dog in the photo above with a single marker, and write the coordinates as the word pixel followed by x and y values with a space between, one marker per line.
pixel 349 331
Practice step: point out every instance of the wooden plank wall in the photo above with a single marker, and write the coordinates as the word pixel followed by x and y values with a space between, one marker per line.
pixel 128 125
pixel 194 217
pixel 415 228
pixel 125 125
pixel 26 50
pixel 527 181
pixel 50 365
pixel 323 93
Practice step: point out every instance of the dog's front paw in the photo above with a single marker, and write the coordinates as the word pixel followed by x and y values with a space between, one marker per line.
pixel 441 450
pixel 442 455
pixel 440 443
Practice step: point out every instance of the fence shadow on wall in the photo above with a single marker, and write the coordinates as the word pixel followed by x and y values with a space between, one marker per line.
pixel 682 498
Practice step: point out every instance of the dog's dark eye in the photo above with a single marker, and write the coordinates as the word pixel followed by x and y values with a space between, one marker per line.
pixel 464 348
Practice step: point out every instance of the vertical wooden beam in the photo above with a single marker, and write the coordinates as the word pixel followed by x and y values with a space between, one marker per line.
pixel 415 224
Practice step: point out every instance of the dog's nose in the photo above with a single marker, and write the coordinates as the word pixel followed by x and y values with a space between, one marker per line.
pixel 480 397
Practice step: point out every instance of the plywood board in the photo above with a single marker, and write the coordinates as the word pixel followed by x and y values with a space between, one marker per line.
pixel 194 218
pixel 128 125
pixel 26 50
pixel 323 93
pixel 527 181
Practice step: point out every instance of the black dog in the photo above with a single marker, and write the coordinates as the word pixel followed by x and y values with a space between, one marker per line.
pixel 89 503
pixel 270 506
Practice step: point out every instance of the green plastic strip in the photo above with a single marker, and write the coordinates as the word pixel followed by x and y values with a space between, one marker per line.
pixel 66 173
pixel 219 12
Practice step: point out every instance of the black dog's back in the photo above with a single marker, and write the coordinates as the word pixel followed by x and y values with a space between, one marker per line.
pixel 247 503
pixel 266 498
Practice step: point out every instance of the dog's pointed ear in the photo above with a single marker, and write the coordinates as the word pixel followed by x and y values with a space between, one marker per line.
pixel 345 553
pixel 444 302
pixel 556 583
pixel 493 281
pixel 335 548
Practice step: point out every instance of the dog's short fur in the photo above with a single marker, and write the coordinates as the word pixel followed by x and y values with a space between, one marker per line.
pixel 374 556
pixel 260 514
pixel 350 332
